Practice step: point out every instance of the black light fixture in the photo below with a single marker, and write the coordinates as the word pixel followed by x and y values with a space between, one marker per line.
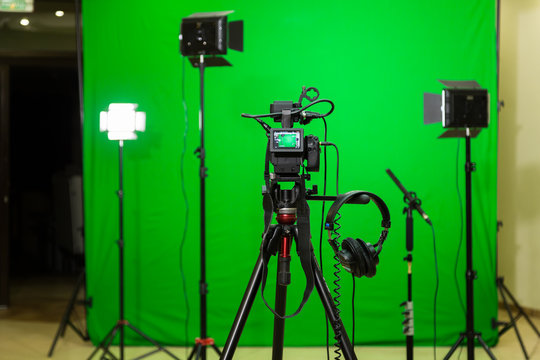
pixel 210 34
pixel 463 104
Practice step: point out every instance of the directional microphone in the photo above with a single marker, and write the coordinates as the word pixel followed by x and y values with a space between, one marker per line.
pixel 411 197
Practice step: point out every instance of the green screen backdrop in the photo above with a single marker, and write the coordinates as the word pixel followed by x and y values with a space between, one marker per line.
pixel 374 60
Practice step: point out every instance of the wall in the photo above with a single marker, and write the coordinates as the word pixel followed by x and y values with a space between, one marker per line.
pixel 519 150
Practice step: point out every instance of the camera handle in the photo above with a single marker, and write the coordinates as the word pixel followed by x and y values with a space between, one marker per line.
pixel 305 95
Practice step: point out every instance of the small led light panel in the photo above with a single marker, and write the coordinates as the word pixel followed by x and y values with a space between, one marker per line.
pixel 122 121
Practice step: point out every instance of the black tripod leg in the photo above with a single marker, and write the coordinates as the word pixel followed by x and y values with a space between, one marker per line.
pixel 513 321
pixel 65 319
pixel 486 348
pixel 455 346
pixel 106 343
pixel 216 349
pixel 193 350
pixel 243 311
pixel 59 332
pixel 521 311
pixel 279 322
pixel 154 342
pixel 330 308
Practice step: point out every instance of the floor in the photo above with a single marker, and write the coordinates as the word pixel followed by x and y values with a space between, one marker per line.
pixel 28 327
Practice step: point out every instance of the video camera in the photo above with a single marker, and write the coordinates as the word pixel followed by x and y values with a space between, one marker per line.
pixel 289 149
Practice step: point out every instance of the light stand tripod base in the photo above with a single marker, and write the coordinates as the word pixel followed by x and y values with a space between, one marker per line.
pixel 83 334
pixel 470 346
pixel 107 342
pixel 513 319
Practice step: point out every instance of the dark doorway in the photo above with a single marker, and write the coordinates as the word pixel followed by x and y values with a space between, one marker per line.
pixel 45 153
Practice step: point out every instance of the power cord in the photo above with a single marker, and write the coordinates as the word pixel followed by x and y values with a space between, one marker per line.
pixel 325 168
pixel 435 296
pixel 460 200
pixel 326 143
pixel 352 307
pixel 337 266
pixel 302 111
pixel 337 287
pixel 186 203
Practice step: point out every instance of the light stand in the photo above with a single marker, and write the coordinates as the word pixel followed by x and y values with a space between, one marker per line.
pixel 121 122
pixel 464 109
pixel 199 350
pixel 204 35
pixel 470 334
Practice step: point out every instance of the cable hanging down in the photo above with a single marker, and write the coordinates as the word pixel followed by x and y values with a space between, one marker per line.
pixel 325 171
pixel 186 203
pixel 337 265
pixel 337 287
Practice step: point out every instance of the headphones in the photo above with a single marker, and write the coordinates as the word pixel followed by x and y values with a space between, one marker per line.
pixel 356 256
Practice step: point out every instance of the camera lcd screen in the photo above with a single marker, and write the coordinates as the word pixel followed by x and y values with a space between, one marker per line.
pixel 287 140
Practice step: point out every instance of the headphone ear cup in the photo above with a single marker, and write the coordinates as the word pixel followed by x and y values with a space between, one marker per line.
pixel 372 259
pixel 358 258
pixel 351 257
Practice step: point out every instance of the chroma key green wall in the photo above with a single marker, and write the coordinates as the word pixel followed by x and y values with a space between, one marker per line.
pixel 374 60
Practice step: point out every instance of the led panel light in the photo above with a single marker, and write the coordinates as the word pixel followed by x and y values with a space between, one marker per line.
pixel 122 121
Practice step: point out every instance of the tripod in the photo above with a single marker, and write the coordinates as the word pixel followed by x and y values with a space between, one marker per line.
pixel 507 325
pixel 66 321
pixel 291 207
pixel 470 334
pixel 122 323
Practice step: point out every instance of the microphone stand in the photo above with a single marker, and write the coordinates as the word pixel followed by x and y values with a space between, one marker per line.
pixel 413 202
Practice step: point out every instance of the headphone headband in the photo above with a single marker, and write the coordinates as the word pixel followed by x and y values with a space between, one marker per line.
pixel 357 197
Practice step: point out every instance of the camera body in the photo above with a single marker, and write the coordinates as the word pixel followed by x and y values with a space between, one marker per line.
pixel 289 148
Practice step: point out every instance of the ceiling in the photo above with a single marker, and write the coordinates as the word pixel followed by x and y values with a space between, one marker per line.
pixel 45 32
